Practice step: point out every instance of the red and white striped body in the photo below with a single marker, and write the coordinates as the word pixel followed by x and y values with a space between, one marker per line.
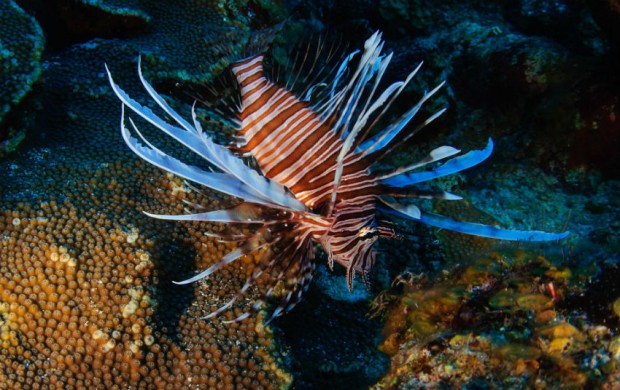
pixel 315 183
pixel 293 145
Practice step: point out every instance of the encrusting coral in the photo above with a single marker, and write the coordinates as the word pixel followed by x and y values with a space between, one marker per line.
pixel 496 322
pixel 21 45
pixel 86 292
pixel 86 298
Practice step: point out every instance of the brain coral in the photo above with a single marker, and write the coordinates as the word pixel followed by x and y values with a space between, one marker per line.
pixel 86 299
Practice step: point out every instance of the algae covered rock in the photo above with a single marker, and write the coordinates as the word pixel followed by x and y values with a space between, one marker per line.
pixel 497 322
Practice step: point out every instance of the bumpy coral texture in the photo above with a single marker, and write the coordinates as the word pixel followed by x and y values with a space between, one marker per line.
pixel 86 298
pixel 21 44
pixel 86 293
pixel 497 322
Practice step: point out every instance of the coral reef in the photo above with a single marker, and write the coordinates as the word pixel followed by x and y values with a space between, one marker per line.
pixel 607 15
pixel 521 70
pixel 495 322
pixel 71 201
pixel 68 22
pixel 332 342
pixel 86 293
pixel 21 45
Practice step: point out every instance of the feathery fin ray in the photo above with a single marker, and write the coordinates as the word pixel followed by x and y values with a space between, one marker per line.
pixel 314 181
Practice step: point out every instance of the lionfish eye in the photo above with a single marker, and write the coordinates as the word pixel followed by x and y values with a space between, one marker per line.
pixel 368 233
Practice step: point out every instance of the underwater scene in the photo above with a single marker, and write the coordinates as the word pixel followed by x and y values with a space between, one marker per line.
pixel 358 194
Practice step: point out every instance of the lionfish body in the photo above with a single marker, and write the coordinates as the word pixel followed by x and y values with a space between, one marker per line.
pixel 316 182
pixel 294 146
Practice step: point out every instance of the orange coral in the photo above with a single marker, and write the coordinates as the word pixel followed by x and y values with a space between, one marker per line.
pixel 86 298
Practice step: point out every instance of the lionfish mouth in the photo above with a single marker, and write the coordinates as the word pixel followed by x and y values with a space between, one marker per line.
pixel 314 182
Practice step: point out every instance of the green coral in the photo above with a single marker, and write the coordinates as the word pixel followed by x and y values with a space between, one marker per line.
pixel 21 45
pixel 116 9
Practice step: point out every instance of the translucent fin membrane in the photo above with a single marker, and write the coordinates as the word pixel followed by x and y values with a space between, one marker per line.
pixel 475 229
pixel 454 165
pixel 238 179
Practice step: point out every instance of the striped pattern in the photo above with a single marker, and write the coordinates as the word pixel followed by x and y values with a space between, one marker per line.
pixel 294 146
pixel 290 142
pixel 316 183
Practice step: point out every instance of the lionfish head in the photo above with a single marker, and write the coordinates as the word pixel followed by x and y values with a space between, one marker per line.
pixel 314 181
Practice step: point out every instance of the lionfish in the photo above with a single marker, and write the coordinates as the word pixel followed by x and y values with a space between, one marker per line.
pixel 315 181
